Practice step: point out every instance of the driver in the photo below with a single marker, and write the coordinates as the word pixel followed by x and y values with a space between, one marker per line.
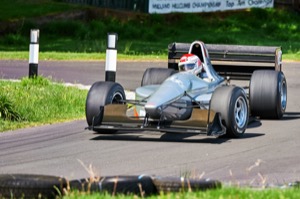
pixel 190 62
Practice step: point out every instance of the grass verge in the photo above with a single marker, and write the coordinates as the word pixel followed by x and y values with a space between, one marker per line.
pixel 230 193
pixel 38 101
pixel 75 56
pixel 144 35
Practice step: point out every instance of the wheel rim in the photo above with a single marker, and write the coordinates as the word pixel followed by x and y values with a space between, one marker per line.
pixel 240 112
pixel 283 95
pixel 117 98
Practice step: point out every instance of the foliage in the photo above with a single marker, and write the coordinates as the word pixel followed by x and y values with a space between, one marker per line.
pixel 39 101
pixel 7 111
pixel 12 10
pixel 150 34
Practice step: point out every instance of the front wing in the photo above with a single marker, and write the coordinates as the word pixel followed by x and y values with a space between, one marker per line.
pixel 114 117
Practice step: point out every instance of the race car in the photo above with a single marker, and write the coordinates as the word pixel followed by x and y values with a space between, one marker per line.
pixel 190 96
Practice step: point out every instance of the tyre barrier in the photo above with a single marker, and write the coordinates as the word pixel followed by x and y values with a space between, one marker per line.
pixel 138 185
pixel 173 184
pixel 30 186
pixel 43 186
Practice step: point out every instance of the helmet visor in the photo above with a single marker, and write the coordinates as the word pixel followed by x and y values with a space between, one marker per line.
pixel 186 67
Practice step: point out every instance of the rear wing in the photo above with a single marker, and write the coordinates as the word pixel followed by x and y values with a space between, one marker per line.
pixel 236 61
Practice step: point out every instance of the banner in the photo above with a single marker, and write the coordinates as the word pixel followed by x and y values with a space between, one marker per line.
pixel 168 6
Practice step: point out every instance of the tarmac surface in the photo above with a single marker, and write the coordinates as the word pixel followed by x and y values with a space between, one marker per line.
pixel 268 154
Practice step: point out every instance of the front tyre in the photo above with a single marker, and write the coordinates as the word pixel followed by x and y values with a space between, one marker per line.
pixel 231 103
pixel 101 94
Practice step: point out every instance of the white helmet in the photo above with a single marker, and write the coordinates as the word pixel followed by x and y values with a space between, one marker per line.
pixel 190 62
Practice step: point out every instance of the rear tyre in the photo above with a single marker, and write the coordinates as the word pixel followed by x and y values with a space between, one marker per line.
pixel 231 103
pixel 268 94
pixel 101 94
pixel 156 75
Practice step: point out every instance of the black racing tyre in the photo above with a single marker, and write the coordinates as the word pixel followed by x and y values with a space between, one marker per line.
pixel 100 94
pixel 231 103
pixel 137 185
pixel 31 186
pixel 268 94
pixel 156 75
pixel 177 184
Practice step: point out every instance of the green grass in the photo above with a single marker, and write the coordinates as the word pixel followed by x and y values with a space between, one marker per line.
pixel 146 35
pixel 73 56
pixel 39 101
pixel 224 193
pixel 16 9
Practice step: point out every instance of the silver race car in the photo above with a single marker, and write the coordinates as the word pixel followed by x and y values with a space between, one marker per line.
pixel 200 100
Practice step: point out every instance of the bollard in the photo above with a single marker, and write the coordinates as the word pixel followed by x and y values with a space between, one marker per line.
pixel 34 53
pixel 111 57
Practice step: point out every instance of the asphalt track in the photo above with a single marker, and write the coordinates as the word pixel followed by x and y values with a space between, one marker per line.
pixel 267 154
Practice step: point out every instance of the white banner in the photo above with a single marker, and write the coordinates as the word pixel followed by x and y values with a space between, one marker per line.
pixel 168 6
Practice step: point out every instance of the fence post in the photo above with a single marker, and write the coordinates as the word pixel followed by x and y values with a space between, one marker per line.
pixel 111 57
pixel 34 52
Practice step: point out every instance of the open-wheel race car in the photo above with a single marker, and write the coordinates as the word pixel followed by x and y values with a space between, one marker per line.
pixel 193 95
